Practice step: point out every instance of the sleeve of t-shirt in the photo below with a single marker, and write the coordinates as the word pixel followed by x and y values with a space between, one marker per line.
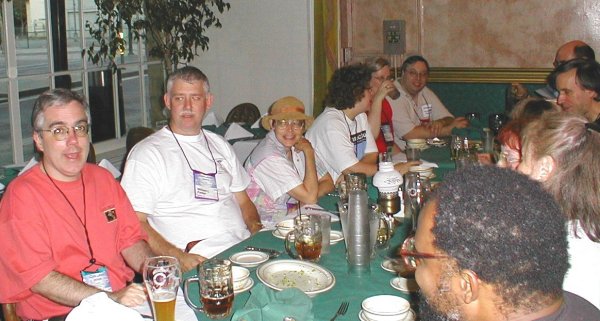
pixel 141 179
pixel 371 144
pixel 26 257
pixel 276 176
pixel 337 149
pixel 130 230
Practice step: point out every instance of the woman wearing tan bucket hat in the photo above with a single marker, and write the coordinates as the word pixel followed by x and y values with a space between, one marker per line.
pixel 283 167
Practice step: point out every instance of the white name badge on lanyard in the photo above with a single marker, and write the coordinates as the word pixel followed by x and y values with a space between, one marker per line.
pixel 205 186
pixel 426 110
pixel 98 279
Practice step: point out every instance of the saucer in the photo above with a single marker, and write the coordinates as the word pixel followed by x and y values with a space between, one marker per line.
pixel 410 316
pixel 249 258
pixel 404 285
pixel 249 284
pixel 335 237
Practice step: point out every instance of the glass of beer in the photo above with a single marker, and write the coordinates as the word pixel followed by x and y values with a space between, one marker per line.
pixel 162 277
pixel 216 288
pixel 307 237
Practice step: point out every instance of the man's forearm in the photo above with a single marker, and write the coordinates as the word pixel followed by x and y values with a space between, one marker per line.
pixel 136 254
pixel 158 244
pixel 63 289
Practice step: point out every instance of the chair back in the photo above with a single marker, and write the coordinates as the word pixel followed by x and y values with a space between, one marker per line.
pixel 243 113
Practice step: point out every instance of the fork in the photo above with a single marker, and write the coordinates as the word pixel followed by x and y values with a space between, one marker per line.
pixel 341 311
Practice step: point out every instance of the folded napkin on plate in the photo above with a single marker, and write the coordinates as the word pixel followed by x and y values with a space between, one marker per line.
pixel 267 304
pixel 316 209
pixel 211 119
pixel 99 307
pixel 110 167
pixel 257 122
pixel 235 131
pixel 32 162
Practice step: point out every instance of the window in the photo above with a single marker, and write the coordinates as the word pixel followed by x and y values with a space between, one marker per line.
pixel 33 60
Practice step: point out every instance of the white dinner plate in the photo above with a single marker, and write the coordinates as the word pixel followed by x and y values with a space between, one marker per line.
pixel 308 277
pixel 249 284
pixel 410 316
pixel 249 258
pixel 404 285
pixel 335 237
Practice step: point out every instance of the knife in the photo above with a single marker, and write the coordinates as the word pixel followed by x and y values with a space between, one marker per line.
pixel 272 253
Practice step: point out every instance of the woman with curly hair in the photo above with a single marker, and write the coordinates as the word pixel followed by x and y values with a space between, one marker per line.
pixel 341 135
pixel 560 150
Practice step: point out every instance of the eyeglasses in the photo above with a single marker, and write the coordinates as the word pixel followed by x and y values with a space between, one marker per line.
pixel 61 133
pixel 412 257
pixel 296 124
pixel 382 78
pixel 415 74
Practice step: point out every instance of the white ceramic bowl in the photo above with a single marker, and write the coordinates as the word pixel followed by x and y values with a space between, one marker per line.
pixel 240 276
pixel 285 226
pixel 385 308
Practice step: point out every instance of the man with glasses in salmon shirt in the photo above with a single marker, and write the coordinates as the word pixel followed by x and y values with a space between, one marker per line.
pixel 491 245
pixel 419 113
pixel 67 228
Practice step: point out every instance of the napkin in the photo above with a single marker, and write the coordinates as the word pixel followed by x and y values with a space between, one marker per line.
pixel 235 131
pixel 32 162
pixel 257 122
pixel 211 119
pixel 110 167
pixel 267 304
pixel 99 307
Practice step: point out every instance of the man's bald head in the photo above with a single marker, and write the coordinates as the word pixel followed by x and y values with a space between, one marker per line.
pixel 573 50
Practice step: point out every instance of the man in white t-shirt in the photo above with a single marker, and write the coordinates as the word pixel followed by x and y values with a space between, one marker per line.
pixel 341 135
pixel 186 184
pixel 419 113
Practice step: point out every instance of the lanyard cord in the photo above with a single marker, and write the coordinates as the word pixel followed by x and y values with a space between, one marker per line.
pixel 350 132
pixel 415 104
pixel 186 159
pixel 84 222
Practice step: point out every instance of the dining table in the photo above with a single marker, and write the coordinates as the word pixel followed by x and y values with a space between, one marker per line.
pixel 353 288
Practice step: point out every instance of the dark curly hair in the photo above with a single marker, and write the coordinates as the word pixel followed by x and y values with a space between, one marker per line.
pixel 507 229
pixel 347 86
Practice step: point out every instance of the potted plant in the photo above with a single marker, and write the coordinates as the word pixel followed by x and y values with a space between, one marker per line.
pixel 174 29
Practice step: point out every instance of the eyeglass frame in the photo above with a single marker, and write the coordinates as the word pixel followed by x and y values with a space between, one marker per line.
pixel 295 124
pixel 412 73
pixel 410 256
pixel 56 135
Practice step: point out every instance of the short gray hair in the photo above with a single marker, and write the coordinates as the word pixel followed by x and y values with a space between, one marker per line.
pixel 55 97
pixel 188 74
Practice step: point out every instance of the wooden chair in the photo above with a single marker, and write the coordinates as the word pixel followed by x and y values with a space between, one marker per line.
pixel 243 113
pixel 134 136
pixel 9 312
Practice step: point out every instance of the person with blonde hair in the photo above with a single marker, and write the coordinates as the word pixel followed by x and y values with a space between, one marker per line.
pixel 560 150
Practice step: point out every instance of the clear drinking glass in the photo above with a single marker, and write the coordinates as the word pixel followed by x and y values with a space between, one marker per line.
pixel 162 276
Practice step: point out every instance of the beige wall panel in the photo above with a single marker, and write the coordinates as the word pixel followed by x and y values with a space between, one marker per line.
pixel 490 33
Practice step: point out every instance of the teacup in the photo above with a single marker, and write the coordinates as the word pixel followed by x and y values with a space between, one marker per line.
pixel 285 226
pixel 385 308
pixel 307 238
pixel 241 276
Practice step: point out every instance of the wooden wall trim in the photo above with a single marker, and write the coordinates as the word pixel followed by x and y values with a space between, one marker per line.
pixel 489 75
